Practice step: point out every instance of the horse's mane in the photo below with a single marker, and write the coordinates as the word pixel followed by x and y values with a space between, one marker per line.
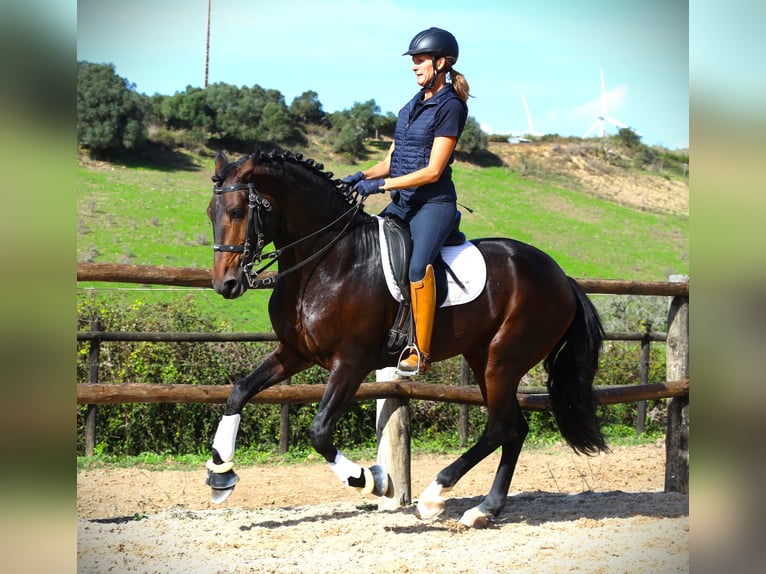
pixel 286 157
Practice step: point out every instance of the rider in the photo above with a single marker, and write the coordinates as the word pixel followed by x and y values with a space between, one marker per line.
pixel 416 170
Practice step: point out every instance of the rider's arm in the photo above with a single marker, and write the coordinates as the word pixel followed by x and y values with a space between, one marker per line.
pixel 441 151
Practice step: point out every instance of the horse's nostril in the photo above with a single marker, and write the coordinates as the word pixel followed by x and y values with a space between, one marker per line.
pixel 229 288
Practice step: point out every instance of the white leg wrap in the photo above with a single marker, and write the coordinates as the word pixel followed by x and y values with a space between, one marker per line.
pixel 431 502
pixel 345 469
pixel 433 492
pixel 225 436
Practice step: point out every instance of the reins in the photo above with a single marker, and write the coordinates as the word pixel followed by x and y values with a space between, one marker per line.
pixel 256 205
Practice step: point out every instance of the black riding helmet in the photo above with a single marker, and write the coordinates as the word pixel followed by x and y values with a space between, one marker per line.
pixel 437 43
pixel 434 41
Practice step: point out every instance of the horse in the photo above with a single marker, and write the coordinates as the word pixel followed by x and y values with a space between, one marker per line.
pixel 330 306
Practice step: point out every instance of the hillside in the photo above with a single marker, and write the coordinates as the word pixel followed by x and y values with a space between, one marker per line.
pixel 597 219
pixel 584 166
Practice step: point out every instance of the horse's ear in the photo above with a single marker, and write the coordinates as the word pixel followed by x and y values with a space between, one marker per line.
pixel 220 161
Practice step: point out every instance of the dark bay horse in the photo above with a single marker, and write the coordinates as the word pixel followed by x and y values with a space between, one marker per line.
pixel 330 306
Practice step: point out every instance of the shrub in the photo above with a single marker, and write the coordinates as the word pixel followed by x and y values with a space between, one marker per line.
pixel 473 140
pixel 110 113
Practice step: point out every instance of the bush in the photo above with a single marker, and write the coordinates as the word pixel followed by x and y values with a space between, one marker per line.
pixel 110 113
pixel 473 140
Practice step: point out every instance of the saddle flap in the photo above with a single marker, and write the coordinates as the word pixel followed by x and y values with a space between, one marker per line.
pixel 399 241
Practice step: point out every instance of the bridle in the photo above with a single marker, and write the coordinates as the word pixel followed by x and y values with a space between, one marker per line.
pixel 257 205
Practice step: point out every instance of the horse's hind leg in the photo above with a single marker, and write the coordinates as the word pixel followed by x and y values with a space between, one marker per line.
pixel 477 516
pixel 505 427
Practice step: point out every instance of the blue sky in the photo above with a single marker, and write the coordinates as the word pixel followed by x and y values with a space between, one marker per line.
pixel 350 51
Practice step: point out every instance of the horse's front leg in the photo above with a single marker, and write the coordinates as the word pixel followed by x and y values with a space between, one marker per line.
pixel 341 387
pixel 276 367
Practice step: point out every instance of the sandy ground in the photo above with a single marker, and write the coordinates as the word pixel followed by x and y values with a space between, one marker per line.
pixel 565 513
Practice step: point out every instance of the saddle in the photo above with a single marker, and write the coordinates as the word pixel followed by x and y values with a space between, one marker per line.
pixel 396 249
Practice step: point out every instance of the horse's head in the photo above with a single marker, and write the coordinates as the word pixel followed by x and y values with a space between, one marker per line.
pixel 272 196
pixel 240 224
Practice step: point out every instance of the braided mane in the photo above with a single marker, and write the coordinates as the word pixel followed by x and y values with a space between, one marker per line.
pixel 343 189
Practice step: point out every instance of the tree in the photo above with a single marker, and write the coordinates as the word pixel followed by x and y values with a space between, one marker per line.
pixel 628 137
pixel 276 123
pixel 236 112
pixel 110 113
pixel 307 108
pixel 351 127
pixel 385 125
pixel 473 140
pixel 345 136
pixel 363 116
pixel 187 110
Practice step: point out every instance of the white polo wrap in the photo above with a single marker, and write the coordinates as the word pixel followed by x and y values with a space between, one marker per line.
pixel 345 469
pixel 226 435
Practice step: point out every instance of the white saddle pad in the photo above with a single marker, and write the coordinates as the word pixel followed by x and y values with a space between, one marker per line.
pixel 465 260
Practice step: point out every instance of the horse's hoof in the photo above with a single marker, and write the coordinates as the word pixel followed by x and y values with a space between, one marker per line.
pixel 217 496
pixel 427 511
pixel 474 518
pixel 221 484
pixel 431 503
pixel 375 481
pixel 382 486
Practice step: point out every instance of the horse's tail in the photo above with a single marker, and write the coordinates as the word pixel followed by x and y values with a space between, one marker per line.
pixel 571 367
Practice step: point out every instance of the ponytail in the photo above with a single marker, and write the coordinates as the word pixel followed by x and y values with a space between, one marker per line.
pixel 460 84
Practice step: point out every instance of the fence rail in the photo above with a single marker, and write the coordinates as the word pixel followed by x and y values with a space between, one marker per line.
pixel 533 399
pixel 238 337
pixel 189 277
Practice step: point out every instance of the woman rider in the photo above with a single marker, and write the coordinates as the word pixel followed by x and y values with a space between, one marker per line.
pixel 416 170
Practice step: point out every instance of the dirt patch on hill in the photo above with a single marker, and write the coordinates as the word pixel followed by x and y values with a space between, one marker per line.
pixel 565 513
pixel 597 171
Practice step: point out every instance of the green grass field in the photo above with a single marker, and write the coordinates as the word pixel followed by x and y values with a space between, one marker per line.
pixel 154 215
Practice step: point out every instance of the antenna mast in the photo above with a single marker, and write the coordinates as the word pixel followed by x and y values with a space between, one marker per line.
pixel 207 44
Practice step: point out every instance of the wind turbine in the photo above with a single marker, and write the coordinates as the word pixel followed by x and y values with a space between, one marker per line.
pixel 530 126
pixel 604 117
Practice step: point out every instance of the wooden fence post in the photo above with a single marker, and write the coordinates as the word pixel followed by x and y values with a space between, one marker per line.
pixel 284 425
pixel 677 433
pixel 94 354
pixel 643 375
pixel 394 450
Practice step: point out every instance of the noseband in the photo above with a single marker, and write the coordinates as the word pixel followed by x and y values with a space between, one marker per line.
pixel 256 206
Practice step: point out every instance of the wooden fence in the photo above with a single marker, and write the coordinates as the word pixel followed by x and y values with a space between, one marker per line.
pixel 394 395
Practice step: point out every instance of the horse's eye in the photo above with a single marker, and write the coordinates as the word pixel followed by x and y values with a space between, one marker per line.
pixel 236 213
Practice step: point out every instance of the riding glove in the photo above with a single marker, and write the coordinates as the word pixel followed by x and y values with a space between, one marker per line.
pixel 369 186
pixel 353 178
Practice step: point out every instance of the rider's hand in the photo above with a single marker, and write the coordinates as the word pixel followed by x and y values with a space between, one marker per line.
pixel 369 186
pixel 353 178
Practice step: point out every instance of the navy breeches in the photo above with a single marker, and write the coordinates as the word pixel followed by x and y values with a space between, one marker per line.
pixel 430 225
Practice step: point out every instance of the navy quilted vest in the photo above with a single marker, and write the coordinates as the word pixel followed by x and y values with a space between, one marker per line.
pixel 414 137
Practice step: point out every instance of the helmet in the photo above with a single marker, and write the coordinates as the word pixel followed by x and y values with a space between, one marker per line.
pixel 434 41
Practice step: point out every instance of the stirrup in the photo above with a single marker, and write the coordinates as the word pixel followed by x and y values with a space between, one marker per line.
pixel 409 349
